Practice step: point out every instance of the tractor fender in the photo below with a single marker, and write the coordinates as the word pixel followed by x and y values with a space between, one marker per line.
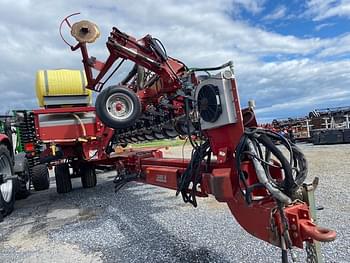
pixel 20 163
pixel 4 138
pixel 6 141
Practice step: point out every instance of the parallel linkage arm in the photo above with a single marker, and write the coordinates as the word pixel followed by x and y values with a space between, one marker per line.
pixel 144 52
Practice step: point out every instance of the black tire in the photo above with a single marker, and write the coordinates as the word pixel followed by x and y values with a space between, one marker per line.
pixel 40 177
pixel 63 180
pixel 23 183
pixel 88 176
pixel 7 188
pixel 128 101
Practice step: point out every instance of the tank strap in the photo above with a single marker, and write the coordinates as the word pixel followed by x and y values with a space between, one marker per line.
pixel 46 80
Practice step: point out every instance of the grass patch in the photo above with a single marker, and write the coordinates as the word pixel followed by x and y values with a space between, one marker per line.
pixel 160 143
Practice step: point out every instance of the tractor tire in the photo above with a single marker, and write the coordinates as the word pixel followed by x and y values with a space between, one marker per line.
pixel 7 186
pixel 118 107
pixel 23 183
pixel 63 180
pixel 40 177
pixel 88 176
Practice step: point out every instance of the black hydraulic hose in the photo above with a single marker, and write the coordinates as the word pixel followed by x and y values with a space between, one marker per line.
pixel 228 64
pixel 151 81
pixel 114 71
pixel 130 75
pixel 188 123
pixel 303 165
pixel 295 170
pixel 191 174
pixel 284 141
pixel 241 177
pixel 284 256
pixel 288 182
pixel 159 48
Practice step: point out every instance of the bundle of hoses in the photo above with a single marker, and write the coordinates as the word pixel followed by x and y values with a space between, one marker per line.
pixel 259 145
pixel 192 173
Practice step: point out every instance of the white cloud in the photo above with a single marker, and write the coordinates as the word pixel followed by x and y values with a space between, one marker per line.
pixel 278 13
pixel 323 9
pixel 342 96
pixel 340 46
pixel 324 25
pixel 253 6
pixel 201 33
pixel 306 85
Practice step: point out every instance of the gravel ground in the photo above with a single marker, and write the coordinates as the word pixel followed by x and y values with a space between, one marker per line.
pixel 142 223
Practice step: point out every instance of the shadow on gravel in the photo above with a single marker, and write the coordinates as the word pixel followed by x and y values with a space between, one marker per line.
pixel 125 230
pixel 149 236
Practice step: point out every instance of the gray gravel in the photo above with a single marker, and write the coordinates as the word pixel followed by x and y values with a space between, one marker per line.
pixel 142 223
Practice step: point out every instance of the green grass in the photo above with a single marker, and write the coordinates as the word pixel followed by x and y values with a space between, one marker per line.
pixel 160 143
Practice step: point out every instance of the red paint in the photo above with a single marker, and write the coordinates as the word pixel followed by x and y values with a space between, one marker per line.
pixel 4 138
pixel 301 227
pixel 29 147
pixel 118 106
pixel 162 176
pixel 218 183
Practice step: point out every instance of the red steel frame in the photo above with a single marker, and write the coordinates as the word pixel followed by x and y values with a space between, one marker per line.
pixel 67 136
pixel 70 137
pixel 221 180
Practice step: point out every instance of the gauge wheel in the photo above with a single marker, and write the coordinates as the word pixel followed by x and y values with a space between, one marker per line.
pixel 118 107
pixel 40 177
pixel 88 176
pixel 63 180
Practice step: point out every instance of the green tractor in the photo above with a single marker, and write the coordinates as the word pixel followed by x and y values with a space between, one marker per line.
pixel 16 168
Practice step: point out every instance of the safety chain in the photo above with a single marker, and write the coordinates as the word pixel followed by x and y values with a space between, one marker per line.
pixel 286 241
pixel 311 253
pixel 310 246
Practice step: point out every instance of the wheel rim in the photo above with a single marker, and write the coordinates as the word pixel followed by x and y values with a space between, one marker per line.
pixel 119 106
pixel 5 170
pixel 28 184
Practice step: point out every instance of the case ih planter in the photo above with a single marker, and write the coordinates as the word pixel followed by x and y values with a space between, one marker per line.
pixel 161 97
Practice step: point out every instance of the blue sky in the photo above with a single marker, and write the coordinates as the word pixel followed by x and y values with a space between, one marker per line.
pixel 290 56
pixel 294 17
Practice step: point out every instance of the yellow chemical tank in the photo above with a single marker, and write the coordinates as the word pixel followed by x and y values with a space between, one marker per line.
pixel 62 87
